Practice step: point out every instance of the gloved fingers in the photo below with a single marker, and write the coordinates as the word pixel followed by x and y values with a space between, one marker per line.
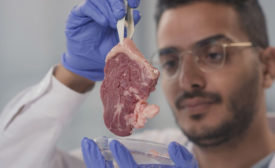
pixel 85 147
pixel 181 156
pixel 137 16
pixel 103 12
pixel 118 8
pixel 99 11
pixel 122 156
pixel 89 12
pixel 155 166
pixel 91 154
pixel 133 3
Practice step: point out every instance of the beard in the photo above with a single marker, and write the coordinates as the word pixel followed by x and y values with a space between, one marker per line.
pixel 242 105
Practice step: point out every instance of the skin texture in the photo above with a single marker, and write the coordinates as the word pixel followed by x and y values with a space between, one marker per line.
pixel 72 80
pixel 227 119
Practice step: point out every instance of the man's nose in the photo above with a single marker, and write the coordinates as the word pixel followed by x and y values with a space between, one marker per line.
pixel 190 76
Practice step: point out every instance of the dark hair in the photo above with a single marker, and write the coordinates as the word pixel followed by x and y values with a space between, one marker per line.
pixel 251 16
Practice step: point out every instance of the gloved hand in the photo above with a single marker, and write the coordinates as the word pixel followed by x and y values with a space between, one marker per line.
pixel 91 33
pixel 94 159
pixel 181 156
pixel 92 155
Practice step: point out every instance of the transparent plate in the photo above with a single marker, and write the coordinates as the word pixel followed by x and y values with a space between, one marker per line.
pixel 144 152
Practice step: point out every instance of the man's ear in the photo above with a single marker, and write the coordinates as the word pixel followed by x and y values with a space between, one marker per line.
pixel 268 59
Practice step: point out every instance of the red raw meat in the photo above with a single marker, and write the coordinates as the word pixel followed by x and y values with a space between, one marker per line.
pixel 128 81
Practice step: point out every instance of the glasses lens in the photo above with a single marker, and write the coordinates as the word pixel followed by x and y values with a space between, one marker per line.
pixel 169 61
pixel 210 57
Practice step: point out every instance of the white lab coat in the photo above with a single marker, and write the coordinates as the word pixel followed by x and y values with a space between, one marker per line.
pixel 32 122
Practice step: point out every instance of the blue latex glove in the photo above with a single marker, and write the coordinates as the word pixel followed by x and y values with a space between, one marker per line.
pixel 181 156
pixel 91 33
pixel 94 159
pixel 92 155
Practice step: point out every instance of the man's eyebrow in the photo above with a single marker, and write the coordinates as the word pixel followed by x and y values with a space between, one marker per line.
pixel 211 39
pixel 205 41
pixel 167 50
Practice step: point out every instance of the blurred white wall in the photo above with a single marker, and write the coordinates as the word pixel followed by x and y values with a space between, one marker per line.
pixel 32 40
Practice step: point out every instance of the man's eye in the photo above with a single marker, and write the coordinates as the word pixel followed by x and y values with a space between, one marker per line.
pixel 214 56
pixel 169 64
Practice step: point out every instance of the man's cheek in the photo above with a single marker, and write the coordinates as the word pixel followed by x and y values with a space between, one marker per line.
pixel 171 98
pixel 168 91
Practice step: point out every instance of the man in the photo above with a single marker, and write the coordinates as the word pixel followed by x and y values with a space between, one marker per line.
pixel 215 64
pixel 219 101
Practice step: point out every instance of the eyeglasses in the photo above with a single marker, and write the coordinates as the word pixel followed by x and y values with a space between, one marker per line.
pixel 208 57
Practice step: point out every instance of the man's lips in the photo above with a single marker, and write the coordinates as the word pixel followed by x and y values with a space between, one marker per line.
pixel 195 105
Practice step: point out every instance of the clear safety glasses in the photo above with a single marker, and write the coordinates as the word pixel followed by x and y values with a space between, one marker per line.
pixel 208 57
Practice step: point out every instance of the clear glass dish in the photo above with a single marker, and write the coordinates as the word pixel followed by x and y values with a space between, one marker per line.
pixel 144 152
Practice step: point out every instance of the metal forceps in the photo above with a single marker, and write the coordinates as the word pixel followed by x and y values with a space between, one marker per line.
pixel 126 22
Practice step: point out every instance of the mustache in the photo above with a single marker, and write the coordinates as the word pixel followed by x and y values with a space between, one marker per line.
pixel 216 98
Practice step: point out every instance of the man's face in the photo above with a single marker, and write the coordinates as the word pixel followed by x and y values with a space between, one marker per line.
pixel 210 107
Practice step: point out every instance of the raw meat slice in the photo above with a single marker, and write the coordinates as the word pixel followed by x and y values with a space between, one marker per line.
pixel 128 81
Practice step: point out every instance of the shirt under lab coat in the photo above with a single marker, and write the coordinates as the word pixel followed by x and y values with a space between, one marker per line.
pixel 32 122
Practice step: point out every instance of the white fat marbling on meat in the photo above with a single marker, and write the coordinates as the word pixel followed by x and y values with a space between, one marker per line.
pixel 126 93
pixel 132 91
pixel 118 108
pixel 142 112
pixel 144 84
